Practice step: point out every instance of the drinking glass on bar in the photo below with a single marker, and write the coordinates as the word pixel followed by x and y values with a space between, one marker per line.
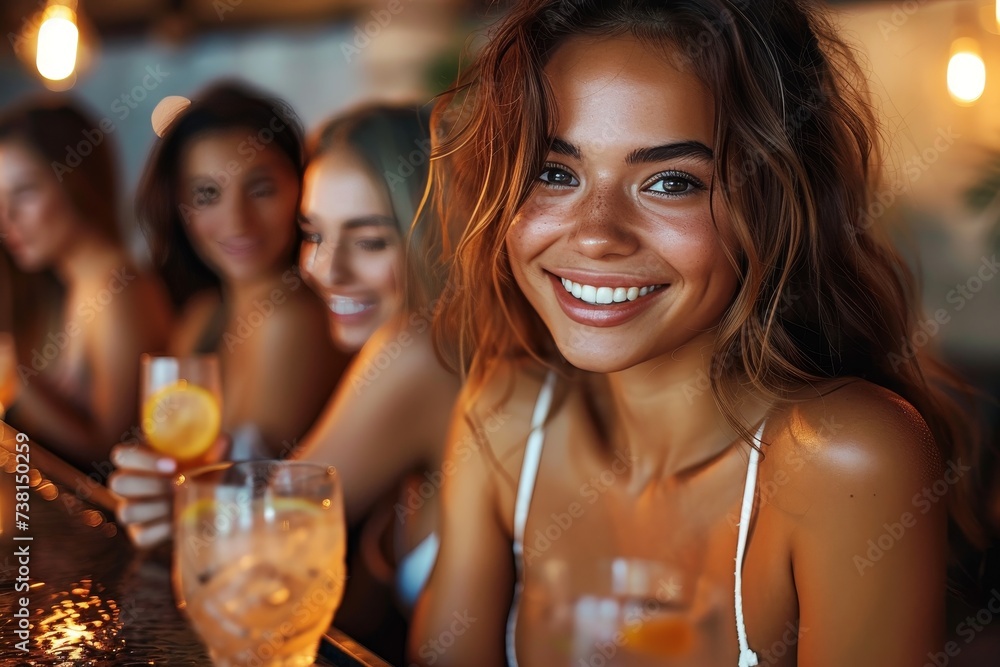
pixel 622 612
pixel 259 559
pixel 181 405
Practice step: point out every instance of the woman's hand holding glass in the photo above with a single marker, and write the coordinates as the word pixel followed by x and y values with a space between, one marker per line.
pixel 180 408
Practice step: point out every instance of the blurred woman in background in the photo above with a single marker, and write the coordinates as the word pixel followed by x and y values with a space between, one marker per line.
pixel 385 428
pixel 219 201
pixel 363 188
pixel 78 347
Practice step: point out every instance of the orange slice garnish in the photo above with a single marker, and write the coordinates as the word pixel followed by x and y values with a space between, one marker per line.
pixel 181 420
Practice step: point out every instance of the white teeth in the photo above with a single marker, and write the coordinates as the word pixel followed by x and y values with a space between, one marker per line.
pixel 345 306
pixel 605 295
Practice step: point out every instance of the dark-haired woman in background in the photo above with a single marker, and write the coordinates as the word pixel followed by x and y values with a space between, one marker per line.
pixel 78 349
pixel 219 200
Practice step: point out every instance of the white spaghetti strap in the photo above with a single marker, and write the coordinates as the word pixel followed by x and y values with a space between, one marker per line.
pixel 747 657
pixel 525 490
pixel 532 456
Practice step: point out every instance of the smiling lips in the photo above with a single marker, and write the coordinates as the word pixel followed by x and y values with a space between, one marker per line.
pixel 605 295
pixel 604 306
pixel 240 247
pixel 346 306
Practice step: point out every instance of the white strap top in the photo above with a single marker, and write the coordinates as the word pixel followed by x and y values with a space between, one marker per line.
pixel 525 491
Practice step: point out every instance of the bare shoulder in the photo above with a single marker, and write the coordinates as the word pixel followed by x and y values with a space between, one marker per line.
pixel 856 442
pixel 500 411
pixel 398 372
pixel 289 319
pixel 408 352
pixel 128 297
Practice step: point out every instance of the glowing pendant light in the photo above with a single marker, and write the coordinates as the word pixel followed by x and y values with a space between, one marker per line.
pixel 58 38
pixel 966 71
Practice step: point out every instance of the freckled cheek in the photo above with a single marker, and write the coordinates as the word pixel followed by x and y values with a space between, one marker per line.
pixel 532 231
pixel 520 249
pixel 695 254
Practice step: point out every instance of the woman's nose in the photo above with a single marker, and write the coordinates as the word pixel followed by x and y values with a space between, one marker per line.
pixel 328 263
pixel 235 215
pixel 601 225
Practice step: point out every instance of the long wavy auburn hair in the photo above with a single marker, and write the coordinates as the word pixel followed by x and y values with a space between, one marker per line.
pixel 822 293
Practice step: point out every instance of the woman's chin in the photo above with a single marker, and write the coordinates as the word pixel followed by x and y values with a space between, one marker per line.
pixel 596 361
pixel 347 339
pixel 30 262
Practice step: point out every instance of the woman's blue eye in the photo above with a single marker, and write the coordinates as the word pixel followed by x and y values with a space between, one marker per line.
pixel 674 184
pixel 557 176
pixel 311 237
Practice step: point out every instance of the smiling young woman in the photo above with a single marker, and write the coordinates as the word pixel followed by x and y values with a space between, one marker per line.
pixel 357 212
pixel 667 290
pixel 385 427
pixel 219 201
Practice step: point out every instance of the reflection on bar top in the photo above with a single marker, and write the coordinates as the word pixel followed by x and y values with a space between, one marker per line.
pixel 59 471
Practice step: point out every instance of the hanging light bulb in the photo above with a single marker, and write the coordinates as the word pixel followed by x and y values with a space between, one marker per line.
pixel 58 37
pixel 966 71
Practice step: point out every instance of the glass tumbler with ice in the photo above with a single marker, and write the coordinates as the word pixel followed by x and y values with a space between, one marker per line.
pixel 259 559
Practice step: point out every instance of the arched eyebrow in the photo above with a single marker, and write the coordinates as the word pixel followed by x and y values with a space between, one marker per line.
pixel 371 221
pixel 563 147
pixel 682 149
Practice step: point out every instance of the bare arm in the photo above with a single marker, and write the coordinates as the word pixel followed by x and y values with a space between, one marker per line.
pixel 133 322
pixel 469 593
pixel 869 557
pixel 390 415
